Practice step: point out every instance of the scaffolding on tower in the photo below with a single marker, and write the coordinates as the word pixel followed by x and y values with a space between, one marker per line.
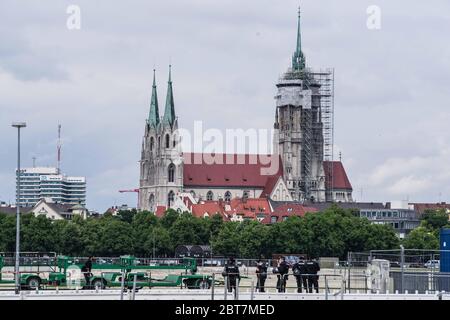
pixel 325 77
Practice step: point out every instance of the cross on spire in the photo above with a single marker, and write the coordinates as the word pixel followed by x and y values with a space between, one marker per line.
pixel 298 59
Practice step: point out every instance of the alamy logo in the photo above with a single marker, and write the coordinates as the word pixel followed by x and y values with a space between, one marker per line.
pixel 74 19
pixel 374 17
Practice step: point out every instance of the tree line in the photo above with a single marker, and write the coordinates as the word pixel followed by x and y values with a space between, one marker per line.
pixel 333 232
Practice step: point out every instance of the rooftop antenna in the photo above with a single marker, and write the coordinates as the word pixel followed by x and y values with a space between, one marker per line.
pixel 34 162
pixel 58 167
pixel 340 156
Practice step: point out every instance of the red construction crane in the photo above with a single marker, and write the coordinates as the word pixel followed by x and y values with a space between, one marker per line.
pixel 132 190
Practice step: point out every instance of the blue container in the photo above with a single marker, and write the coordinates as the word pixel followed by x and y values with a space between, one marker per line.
pixel 445 250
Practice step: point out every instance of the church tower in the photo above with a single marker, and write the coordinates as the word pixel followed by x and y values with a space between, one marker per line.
pixel 161 166
pixel 298 120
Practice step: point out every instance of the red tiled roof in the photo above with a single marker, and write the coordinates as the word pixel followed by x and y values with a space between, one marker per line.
pixel 160 211
pixel 293 209
pixel 251 207
pixel 340 179
pixel 268 188
pixel 232 170
pixel 288 210
pixel 421 207
pixel 210 207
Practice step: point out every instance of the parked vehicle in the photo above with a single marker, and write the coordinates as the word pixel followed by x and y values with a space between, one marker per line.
pixel 432 264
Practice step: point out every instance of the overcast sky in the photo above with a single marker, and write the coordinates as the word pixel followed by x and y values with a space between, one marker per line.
pixel 391 102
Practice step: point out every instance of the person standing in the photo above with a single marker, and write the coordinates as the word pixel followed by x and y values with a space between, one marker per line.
pixel 231 272
pixel 283 270
pixel 261 275
pixel 313 268
pixel 300 274
pixel 86 270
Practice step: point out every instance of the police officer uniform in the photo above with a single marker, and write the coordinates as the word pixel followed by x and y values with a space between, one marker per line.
pixel 283 269
pixel 313 279
pixel 261 275
pixel 299 270
pixel 231 271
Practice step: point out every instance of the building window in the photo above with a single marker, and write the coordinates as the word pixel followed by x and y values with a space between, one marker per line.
pixel 167 141
pixel 228 196
pixel 151 202
pixel 245 195
pixel 159 143
pixel 171 172
pixel 209 195
pixel 152 143
pixel 273 219
pixel 170 198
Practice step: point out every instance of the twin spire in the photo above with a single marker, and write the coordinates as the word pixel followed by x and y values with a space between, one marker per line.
pixel 298 59
pixel 169 112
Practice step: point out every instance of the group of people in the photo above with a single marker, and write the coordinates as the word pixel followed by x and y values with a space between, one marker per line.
pixel 305 273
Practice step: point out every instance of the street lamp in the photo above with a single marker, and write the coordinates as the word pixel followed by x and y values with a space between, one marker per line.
pixel 18 125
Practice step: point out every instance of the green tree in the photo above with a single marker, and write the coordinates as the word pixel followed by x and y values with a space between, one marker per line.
pixel 187 230
pixel 7 232
pixel 227 241
pixel 421 238
pixel 169 218
pixel 253 238
pixel 434 219
pixel 126 215
pixel 37 233
pixel 68 238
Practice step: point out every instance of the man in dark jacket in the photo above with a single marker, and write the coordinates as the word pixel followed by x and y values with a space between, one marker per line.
pixel 261 275
pixel 283 270
pixel 299 270
pixel 231 272
pixel 312 268
pixel 86 270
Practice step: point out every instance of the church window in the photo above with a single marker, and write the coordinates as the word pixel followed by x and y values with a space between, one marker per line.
pixel 228 196
pixel 209 195
pixel 170 198
pixel 167 141
pixel 152 203
pixel 159 143
pixel 152 143
pixel 171 172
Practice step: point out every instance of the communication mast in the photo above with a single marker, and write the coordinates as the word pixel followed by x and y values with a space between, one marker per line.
pixel 58 166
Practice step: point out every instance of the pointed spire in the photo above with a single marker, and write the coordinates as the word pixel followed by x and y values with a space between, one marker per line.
pixel 153 117
pixel 298 59
pixel 169 112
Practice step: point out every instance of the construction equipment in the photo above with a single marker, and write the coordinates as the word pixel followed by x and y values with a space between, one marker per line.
pixel 63 271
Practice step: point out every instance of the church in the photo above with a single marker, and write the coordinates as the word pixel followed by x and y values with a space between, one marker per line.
pixel 303 147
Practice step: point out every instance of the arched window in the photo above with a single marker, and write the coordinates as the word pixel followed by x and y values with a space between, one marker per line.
pixel 151 202
pixel 170 198
pixel 159 143
pixel 167 141
pixel 152 143
pixel 171 172
pixel 209 195
pixel 193 194
pixel 245 195
pixel 228 196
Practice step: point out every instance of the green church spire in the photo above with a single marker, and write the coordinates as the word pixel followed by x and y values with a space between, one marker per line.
pixel 153 117
pixel 298 59
pixel 169 112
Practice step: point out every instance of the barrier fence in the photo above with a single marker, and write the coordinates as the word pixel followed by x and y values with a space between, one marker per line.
pixel 410 271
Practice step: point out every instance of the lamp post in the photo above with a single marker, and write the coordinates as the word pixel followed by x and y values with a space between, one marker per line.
pixel 18 125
